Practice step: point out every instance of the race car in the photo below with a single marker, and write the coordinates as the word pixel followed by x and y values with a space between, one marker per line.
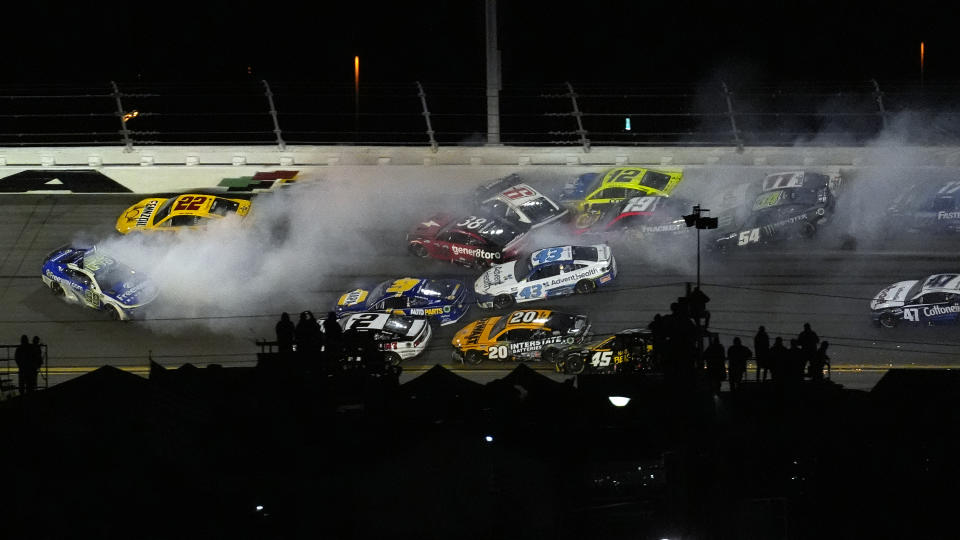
pixel 592 192
pixel 932 208
pixel 398 336
pixel 511 199
pixel 443 300
pixel 94 279
pixel 183 212
pixel 789 205
pixel 626 351
pixel 931 301
pixel 637 218
pixel 520 335
pixel 546 273
pixel 470 240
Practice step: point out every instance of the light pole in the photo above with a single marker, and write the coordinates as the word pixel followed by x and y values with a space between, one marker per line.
pixel 696 219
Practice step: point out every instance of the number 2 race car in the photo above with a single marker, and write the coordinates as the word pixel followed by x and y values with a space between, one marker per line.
pixel 549 272
pixel 470 241
pixel 626 351
pixel 513 200
pixel 931 301
pixel 443 300
pixel 190 211
pixel 520 335
pixel 790 205
pixel 90 278
pixel 398 336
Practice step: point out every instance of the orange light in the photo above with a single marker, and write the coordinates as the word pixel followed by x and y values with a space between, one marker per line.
pixel 921 55
pixel 356 72
pixel 132 114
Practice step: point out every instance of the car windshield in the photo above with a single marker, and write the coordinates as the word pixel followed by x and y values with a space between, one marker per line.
pixel 539 209
pixel 222 207
pixel 378 291
pixel 110 274
pixel 655 180
pixel 784 197
pixel 584 253
pixel 163 211
pixel 498 232
pixel 437 288
pixel 915 290
pixel 398 324
pixel 522 266
pixel 567 324
pixel 498 326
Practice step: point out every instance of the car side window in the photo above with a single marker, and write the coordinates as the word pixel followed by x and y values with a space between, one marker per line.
pixel 417 301
pixel 394 302
pixel 520 334
pixel 545 271
pixel 934 298
pixel 943 204
pixel 459 238
pixel 184 221
pixel 79 277
pixel 612 193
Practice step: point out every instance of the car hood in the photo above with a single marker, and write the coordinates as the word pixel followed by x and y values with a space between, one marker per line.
pixel 134 292
pixel 892 295
pixel 495 276
pixel 429 228
pixel 354 299
pixel 473 333
pixel 138 215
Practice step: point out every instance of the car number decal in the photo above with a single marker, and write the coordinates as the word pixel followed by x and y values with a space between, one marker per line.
pixel 190 203
pixel 403 285
pixel 749 237
pixel 548 255
pixel 472 222
pixel 601 358
pixel 497 352
pixel 518 192
pixel 523 316
pixel 533 291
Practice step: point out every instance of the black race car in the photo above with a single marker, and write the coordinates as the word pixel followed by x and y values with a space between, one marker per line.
pixel 627 351
pixel 789 205
pixel 926 208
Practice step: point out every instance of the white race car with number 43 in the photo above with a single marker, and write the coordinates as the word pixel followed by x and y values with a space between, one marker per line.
pixel 549 272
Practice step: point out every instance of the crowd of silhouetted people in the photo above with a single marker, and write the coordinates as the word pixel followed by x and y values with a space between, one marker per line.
pixel 678 350
pixel 310 343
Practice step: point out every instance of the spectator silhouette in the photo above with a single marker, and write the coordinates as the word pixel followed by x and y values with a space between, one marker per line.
pixel 716 365
pixel 761 346
pixel 777 360
pixel 308 335
pixel 807 340
pixel 333 335
pixel 697 303
pixel 796 359
pixel 737 356
pixel 286 333
pixel 681 334
pixel 658 338
pixel 820 360
pixel 29 358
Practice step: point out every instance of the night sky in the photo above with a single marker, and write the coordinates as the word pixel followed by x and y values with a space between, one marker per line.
pixel 442 42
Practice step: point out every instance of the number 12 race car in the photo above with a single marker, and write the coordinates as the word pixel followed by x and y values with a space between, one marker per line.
pixel 549 272
pixel 90 278
pixel 521 335
pixel 931 301
pixel 444 300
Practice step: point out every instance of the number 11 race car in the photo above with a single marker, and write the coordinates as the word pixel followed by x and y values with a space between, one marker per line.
pixel 521 335
pixel 549 272
pixel 90 278
pixel 931 301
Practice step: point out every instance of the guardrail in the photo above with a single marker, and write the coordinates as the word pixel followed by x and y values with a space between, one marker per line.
pixel 257 112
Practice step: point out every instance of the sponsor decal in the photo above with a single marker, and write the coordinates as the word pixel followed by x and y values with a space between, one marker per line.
pixel 146 213
pixel 261 181
pixel 353 297
pixel 940 310
pixel 534 345
pixel 662 228
pixel 474 337
pixel 574 277
pixel 475 252
pixel 948 215
pixel 430 311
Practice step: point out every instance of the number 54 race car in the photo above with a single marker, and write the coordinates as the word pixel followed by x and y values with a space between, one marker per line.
pixel 521 335
pixel 90 278
pixel 549 272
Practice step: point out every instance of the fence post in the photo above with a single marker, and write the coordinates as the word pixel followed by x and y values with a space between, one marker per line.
pixel 579 116
pixel 127 143
pixel 878 95
pixel 733 119
pixel 426 117
pixel 273 113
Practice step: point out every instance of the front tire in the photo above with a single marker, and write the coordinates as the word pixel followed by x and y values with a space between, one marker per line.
pixel 585 286
pixel 888 320
pixel 473 358
pixel 808 230
pixel 502 301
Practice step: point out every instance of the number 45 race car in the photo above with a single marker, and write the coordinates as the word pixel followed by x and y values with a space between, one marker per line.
pixel 626 351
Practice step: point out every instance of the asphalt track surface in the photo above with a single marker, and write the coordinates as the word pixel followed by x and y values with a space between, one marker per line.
pixel 781 288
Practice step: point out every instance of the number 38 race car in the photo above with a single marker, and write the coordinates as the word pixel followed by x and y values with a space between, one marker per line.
pixel 470 240
pixel 931 301
pixel 444 300
pixel 90 278
pixel 549 272
pixel 182 212
pixel 521 335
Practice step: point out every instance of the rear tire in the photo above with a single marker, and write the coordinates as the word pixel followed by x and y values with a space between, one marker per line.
pixel 115 314
pixel 56 289
pixel 417 250
pixel 808 230
pixel 585 286
pixel 392 359
pixel 888 320
pixel 473 358
pixel 502 301
pixel 574 364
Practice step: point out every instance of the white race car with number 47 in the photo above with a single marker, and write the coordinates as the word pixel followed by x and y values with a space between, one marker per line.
pixel 549 272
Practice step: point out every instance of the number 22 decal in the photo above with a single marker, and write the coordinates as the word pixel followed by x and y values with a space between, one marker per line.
pixel 190 203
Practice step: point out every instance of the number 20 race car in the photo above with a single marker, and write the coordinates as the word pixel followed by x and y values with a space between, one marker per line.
pixel 520 335
pixel 549 272
pixel 90 278
pixel 182 212
pixel 931 301
pixel 443 300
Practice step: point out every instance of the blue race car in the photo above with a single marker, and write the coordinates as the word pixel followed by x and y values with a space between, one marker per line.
pixel 443 300
pixel 94 279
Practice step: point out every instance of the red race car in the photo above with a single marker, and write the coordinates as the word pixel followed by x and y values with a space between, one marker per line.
pixel 470 240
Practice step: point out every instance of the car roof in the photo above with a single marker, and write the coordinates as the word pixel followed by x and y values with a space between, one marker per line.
pixel 517 195
pixel 566 255
pixel 949 285
pixel 543 317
